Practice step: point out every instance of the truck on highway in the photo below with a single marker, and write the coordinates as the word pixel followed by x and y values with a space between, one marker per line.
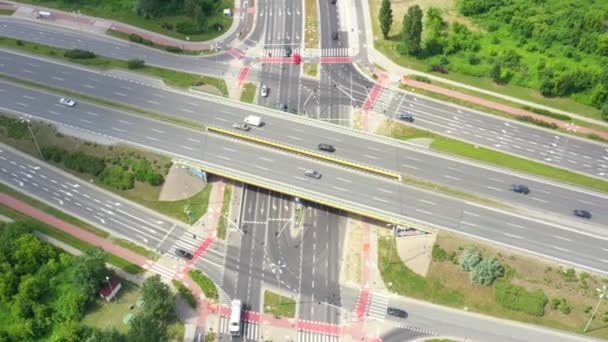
pixel 253 120
pixel 235 318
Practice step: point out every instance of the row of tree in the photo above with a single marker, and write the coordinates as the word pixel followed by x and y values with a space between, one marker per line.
pixel 198 10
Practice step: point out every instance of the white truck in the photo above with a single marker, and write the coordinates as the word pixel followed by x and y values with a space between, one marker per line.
pixel 235 318
pixel 253 120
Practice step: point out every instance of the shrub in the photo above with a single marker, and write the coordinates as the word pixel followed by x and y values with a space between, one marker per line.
pixel 443 60
pixel 135 63
pixel 473 59
pixel 187 27
pixel 115 177
pixel 205 284
pixel 604 111
pixel 554 303
pixel 167 26
pixel 470 257
pixel 16 129
pixel 79 54
pixel 487 271
pixel 81 162
pixel 569 275
pixel 154 179
pixel 514 297
pixel 136 38
pixel 439 69
pixel 53 153
pixel 544 112
pixel 537 122
pixel 174 49
pixel 19 42
pixel 438 253
pixel 147 42
pixel 564 307
pixel 185 293
pixel 424 79
pixel 587 309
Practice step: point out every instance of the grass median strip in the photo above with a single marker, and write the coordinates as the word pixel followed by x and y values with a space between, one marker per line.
pixel 206 284
pixel 489 156
pixel 278 305
pixel 222 226
pixel 311 69
pixel 178 79
pixel 248 94
pixel 311 28
pixel 103 102
pixel 304 152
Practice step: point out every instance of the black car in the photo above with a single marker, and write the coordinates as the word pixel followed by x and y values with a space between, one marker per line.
pixel 333 2
pixel 582 213
pixel 334 36
pixel 183 254
pixel 520 188
pixel 327 148
pixel 396 312
pixel 288 52
pixel 406 117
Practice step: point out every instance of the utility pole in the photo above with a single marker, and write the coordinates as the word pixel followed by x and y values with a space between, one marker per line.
pixel 602 293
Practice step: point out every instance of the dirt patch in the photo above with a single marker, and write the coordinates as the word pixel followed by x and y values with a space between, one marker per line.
pixel 422 142
pixel 415 251
pixel 180 184
pixel 353 247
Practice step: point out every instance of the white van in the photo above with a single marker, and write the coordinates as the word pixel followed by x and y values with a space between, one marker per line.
pixel 235 318
pixel 253 120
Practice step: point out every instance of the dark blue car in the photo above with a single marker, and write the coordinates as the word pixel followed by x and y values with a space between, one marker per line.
pixel 582 213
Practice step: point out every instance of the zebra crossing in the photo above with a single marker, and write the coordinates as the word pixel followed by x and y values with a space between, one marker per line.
pixel 278 52
pixel 186 242
pixel 384 101
pixel 249 330
pixel 25 10
pixel 102 24
pixel 306 336
pixel 335 52
pixel 377 306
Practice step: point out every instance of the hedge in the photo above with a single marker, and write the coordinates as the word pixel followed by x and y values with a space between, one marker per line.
pixel 185 293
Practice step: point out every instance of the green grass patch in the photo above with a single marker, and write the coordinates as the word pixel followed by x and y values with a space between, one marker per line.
pixel 105 315
pixel 453 192
pixel 197 206
pixel 206 284
pixel 133 247
pixel 222 225
pixel 486 155
pixel 278 305
pixel 6 11
pixel 123 11
pixel 407 283
pixel 173 78
pixel 125 36
pixel 185 293
pixel 311 25
pixel 248 94
pixel 311 69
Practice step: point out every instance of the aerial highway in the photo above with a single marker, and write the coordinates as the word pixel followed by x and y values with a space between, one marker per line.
pixel 529 141
pixel 484 180
pixel 338 185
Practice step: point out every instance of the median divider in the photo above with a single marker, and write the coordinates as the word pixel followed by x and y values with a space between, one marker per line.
pixel 372 213
pixel 366 168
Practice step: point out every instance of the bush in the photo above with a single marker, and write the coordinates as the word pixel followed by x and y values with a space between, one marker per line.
pixel 569 275
pixel 53 153
pixel 536 122
pixel 422 79
pixel 135 63
pixel 487 271
pixel 136 38
pixel 154 179
pixel 438 253
pixel 15 128
pixel 81 162
pixel 205 284
pixel 554 303
pixel 514 297
pixel 473 59
pixel 174 49
pixel 115 177
pixel 439 69
pixel 167 26
pixel 564 307
pixel 604 111
pixel 185 293
pixel 544 112
pixel 587 309
pixel 470 257
pixel 79 54
pixel 187 27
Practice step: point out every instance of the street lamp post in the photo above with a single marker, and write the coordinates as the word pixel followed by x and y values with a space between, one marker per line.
pixel 109 284
pixel 602 293
pixel 27 122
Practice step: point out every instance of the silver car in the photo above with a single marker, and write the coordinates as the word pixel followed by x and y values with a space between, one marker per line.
pixel 241 126
pixel 264 90
pixel 67 102
pixel 312 174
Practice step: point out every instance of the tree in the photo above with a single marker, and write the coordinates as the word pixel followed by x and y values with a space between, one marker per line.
pixel 89 271
pixel 433 22
pixel 110 335
pixel 604 111
pixel 411 34
pixel 470 257
pixel 386 17
pixel 487 271
pixel 136 63
pixel 145 328
pixel 158 298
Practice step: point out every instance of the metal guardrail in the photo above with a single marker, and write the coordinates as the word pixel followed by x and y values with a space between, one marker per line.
pixel 349 206
pixel 305 152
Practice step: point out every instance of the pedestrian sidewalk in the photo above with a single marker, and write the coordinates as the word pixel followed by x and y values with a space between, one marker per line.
pixel 92 24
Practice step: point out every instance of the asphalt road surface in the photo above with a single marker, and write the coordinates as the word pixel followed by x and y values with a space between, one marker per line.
pixel 486 181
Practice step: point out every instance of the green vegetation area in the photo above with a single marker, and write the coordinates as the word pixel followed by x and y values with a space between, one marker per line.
pixel 197 20
pixel 311 26
pixel 206 284
pixel 47 294
pixel 6 11
pixel 222 225
pixel 135 38
pixel 278 305
pixel 173 78
pixel 311 69
pixel 506 284
pixel 134 174
pixel 486 155
pixel 248 94
pixel 185 292
pixel 557 48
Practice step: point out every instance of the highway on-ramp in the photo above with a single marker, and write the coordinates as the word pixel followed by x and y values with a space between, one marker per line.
pixel 338 185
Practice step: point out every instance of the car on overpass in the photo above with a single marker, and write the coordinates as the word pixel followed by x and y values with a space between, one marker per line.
pixel 582 213
pixel 326 147
pixel 520 188
pixel 67 102
pixel 312 174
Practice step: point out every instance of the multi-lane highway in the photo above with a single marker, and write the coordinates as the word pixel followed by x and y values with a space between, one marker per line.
pixel 338 184
pixel 351 145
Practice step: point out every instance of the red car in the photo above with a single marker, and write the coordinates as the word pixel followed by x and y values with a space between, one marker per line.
pixel 296 58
